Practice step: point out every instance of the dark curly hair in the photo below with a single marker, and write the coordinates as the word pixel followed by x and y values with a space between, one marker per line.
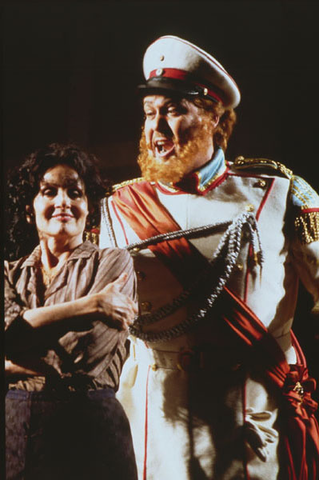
pixel 24 183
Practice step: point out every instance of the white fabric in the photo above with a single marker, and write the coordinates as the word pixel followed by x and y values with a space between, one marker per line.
pixel 237 422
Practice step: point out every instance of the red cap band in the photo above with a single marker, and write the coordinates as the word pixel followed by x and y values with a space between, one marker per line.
pixel 177 74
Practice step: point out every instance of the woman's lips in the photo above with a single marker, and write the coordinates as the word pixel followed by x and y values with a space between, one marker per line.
pixel 63 217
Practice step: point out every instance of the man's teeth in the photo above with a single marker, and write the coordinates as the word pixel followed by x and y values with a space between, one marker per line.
pixel 161 146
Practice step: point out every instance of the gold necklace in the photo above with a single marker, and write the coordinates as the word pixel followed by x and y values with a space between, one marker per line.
pixel 47 275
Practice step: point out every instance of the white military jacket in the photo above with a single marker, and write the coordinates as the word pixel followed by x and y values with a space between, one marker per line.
pixel 286 209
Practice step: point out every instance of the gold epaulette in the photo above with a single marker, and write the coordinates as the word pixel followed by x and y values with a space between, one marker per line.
pixel 126 182
pixel 264 163
pixel 93 235
pixel 307 228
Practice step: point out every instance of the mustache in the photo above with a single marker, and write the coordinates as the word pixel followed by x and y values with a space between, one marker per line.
pixel 185 138
pixel 173 170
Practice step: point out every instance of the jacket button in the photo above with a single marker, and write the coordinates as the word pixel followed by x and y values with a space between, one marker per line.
pixel 249 208
pixel 140 275
pixel 146 306
pixel 261 183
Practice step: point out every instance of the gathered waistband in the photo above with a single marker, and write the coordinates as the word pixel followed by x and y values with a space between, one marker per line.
pixel 196 358
pixel 50 383
pixel 18 394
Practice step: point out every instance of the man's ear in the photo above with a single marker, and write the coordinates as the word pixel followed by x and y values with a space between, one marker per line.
pixel 29 214
pixel 212 120
pixel 215 120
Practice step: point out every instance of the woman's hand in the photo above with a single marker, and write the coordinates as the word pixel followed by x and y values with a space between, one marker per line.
pixel 118 308
pixel 110 305
pixel 16 369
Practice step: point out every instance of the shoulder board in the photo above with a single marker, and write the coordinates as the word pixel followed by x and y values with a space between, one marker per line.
pixel 303 195
pixel 125 183
pixel 262 163
pixel 306 206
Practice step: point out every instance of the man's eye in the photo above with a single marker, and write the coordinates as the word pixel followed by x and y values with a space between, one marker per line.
pixel 148 114
pixel 177 109
pixel 173 111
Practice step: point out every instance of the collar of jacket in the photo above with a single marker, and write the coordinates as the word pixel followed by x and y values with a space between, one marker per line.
pixel 202 180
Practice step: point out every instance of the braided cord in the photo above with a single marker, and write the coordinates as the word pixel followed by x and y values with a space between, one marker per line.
pixel 190 232
pixel 108 222
pixel 228 250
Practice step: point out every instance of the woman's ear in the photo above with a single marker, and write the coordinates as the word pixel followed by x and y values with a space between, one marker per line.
pixel 29 214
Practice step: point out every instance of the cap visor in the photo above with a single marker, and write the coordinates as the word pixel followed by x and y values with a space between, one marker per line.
pixel 164 85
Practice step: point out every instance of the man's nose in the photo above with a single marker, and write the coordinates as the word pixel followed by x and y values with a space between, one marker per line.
pixel 160 123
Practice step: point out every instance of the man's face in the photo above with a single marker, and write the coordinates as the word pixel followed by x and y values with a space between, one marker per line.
pixel 178 137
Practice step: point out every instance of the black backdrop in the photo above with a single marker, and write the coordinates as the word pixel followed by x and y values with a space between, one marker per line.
pixel 70 71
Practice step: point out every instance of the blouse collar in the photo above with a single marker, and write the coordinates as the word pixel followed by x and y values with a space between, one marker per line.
pixel 84 250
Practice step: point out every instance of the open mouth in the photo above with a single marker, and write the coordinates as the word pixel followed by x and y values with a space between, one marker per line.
pixel 164 148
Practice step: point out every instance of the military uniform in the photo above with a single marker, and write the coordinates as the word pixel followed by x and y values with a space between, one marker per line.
pixel 215 417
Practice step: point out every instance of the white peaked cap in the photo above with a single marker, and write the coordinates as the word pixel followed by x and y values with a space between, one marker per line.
pixel 171 63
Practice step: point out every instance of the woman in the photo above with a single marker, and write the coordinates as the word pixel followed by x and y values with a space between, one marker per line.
pixel 68 305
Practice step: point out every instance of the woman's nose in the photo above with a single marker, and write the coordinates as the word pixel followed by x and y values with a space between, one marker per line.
pixel 62 198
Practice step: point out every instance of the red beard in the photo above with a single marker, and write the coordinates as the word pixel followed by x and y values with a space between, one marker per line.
pixel 176 167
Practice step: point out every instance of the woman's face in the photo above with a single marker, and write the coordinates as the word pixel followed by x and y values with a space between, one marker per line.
pixel 61 205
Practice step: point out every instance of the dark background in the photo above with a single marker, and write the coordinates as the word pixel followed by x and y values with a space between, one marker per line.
pixel 70 71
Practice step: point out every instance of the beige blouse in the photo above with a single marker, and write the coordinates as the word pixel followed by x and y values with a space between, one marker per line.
pixel 90 356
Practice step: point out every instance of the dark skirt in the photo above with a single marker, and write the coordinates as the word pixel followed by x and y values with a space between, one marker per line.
pixel 74 436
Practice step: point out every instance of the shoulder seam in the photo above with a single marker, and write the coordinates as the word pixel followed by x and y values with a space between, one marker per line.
pixel 117 186
pixel 243 163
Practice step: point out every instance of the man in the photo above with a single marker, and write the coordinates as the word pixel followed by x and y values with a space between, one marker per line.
pixel 216 386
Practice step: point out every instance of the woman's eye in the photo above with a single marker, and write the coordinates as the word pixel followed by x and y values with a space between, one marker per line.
pixel 75 193
pixel 48 192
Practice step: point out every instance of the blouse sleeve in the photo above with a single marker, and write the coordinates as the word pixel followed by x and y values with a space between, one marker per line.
pixel 112 263
pixel 13 305
pixel 19 335
pixel 102 351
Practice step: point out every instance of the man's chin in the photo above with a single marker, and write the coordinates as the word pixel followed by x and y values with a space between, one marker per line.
pixel 168 162
pixel 166 170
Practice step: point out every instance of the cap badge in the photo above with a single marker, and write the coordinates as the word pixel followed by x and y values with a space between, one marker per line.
pixel 159 72
pixel 162 58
